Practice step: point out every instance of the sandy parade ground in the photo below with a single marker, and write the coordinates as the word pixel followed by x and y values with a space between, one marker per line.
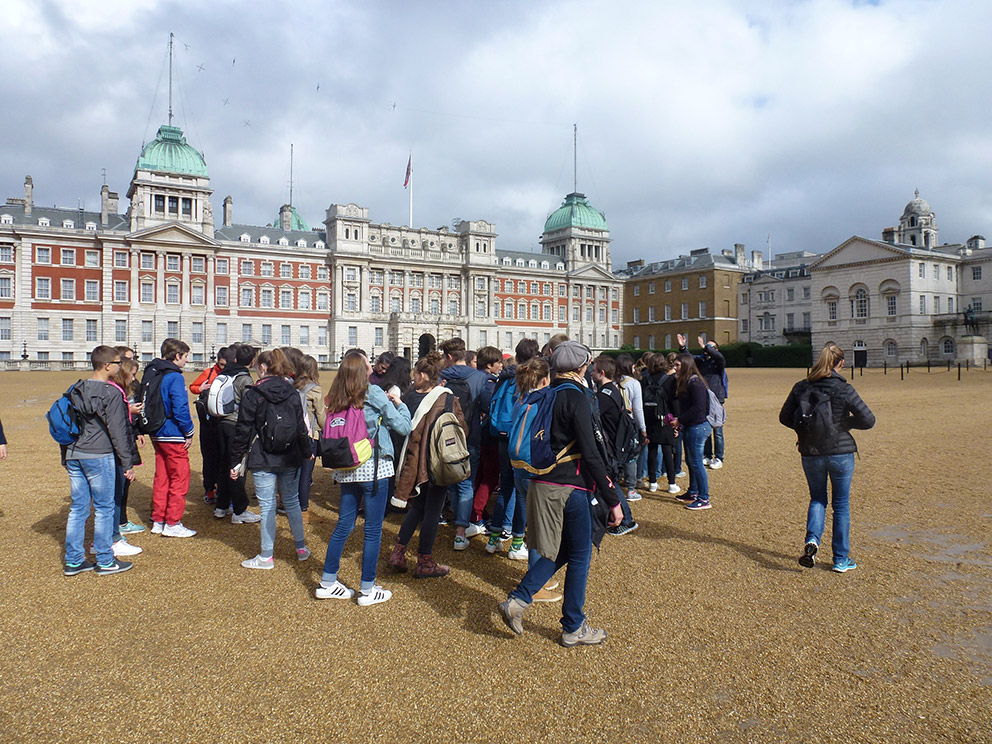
pixel 715 632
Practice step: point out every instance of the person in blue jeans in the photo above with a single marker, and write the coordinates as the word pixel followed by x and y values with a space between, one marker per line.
pixel 368 484
pixel 823 409
pixel 560 504
pixel 92 467
pixel 693 404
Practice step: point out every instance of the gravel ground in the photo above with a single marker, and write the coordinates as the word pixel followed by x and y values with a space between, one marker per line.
pixel 715 633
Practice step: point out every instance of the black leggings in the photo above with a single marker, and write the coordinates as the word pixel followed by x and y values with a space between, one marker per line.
pixel 667 457
pixel 425 510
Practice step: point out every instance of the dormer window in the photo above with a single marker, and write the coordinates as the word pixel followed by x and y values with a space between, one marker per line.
pixel 532 264
pixel 264 240
pixel 319 245
pixel 545 265
pixel 301 243
pixel 6 219
pixel 559 266
pixel 91 226
pixel 44 222
pixel 245 238
pixel 283 241
pixel 507 261
pixel 520 262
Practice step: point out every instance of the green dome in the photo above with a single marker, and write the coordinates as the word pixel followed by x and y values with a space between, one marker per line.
pixel 169 153
pixel 576 211
pixel 297 223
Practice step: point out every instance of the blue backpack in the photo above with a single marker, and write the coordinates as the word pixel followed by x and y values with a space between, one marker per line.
pixel 530 435
pixel 65 423
pixel 501 408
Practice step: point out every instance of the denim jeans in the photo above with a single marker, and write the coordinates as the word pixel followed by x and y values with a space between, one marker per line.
pixel 714 446
pixel 695 438
pixel 462 495
pixel 575 552
pixel 288 482
pixel 90 481
pixel 511 515
pixel 840 469
pixel 642 464
pixel 373 494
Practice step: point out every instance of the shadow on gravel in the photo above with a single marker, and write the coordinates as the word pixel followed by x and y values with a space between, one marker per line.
pixel 763 557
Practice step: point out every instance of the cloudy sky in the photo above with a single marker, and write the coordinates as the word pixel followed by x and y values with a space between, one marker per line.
pixel 700 123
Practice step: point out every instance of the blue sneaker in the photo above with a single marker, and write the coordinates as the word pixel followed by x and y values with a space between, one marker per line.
pixel 844 565
pixel 131 528
pixel 698 504
pixel 806 560
pixel 72 569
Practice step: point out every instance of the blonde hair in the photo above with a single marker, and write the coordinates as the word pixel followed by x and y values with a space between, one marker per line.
pixel 830 356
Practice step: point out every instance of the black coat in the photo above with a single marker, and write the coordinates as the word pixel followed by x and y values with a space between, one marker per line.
pixel 849 412
pixel 251 416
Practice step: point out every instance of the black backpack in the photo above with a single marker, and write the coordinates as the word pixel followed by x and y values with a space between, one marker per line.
pixel 655 402
pixel 463 392
pixel 278 431
pixel 625 445
pixel 152 416
pixel 813 419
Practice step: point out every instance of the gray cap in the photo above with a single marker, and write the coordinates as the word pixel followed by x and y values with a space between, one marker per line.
pixel 568 356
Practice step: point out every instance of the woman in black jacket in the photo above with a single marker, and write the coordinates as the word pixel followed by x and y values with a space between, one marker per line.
pixel 273 433
pixel 823 409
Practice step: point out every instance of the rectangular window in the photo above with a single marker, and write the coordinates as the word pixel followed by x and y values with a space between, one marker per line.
pixel 743 329
pixel 976 273
pixel 247 297
pixel 91 330
pixel 936 271
pixel 936 303
pixel 43 288
pixel 562 291
pixel 923 271
pixel 67 329
pixel 322 335
pixel 685 310
pixel 266 297
pixel 93 259
pixel 246 333
pixel 68 257
pixel 322 272
pixel 685 282
pixel 197 331
pixel 790 320
pixel 120 331
pixel 453 307
pixel 950 304
pixel 668 285
pixel 286 271
pixel 222 266
pixel 304 271
pixel 651 341
pixel 602 314
pixel 651 314
pixel 6 287
pixel 806 322
pixel 637 290
pixel 637 315
pixel 174 205
pixel 159 204
pixel 92 290
pixel 285 335
pixel 198 265
pixel 172 329
pixel 976 304
pixel 286 299
pixel 148 260
pixel 120 292
pixel 562 313
pixel 42 329
pixel 702 309
pixel 247 268
pixel 222 334
pixel 5 331
pixel 322 301
pixel 266 333
pixel 376 303
pixel 790 294
pixel 147 331
pixel 304 301
pixel 890 305
pixel 6 253
pixel 351 302
pixel 267 268
pixel 577 313
pixel 43 255
pixel 172 263
pixel 805 293
pixel 668 312
pixel 147 292
pixel 352 335
pixel 614 316
pixel 196 294
pixel 650 287
pixel 68 287
pixel 304 335
pixel 702 281
pixel 172 294
pixel 923 304
pixel 379 337
pixel 221 295
pixel 637 342
pixel 483 339
pixel 950 273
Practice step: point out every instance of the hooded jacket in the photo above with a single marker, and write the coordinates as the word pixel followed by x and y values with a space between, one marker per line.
pixel 251 417
pixel 413 470
pixel 476 380
pixel 178 426
pixel 849 412
pixel 105 423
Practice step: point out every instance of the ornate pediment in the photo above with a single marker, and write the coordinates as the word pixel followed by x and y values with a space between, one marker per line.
pixel 173 234
pixel 856 250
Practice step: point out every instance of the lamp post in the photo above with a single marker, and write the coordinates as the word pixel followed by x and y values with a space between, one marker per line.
pixel 24 352
pixel 213 357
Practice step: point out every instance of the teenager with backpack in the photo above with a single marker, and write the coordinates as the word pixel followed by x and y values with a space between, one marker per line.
pixel 467 384
pixel 307 382
pixel 712 367
pixel 510 508
pixel 395 382
pixel 165 415
pixel 615 420
pixel 693 398
pixel 489 361
pixel 630 386
pixel 224 398
pixel 415 484
pixel 822 409
pixel 561 502
pixel 208 426
pixel 367 484
pixel 271 439
pixel 101 414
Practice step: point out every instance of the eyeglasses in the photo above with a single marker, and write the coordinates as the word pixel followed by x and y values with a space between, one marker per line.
pixel 116 361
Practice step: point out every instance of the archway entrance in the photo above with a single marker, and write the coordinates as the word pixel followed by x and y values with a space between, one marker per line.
pixel 425 344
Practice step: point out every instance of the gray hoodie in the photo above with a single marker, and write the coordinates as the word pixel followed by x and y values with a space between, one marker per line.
pixel 105 429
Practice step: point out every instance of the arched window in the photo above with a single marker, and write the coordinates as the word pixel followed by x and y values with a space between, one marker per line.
pixel 859 303
pixel 947 346
pixel 891 350
pixel 923 347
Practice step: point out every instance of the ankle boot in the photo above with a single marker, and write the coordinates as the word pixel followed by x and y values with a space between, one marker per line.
pixel 397 559
pixel 427 568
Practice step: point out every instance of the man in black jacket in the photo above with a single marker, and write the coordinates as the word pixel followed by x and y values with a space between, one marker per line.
pixel 711 366
pixel 611 408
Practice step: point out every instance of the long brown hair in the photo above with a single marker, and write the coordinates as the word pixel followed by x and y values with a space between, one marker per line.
pixel 307 372
pixel 431 365
pixel 350 386
pixel 687 368
pixel 530 374
pixel 830 356
pixel 276 364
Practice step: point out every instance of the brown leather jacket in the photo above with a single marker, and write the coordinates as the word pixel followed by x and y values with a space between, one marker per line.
pixel 413 464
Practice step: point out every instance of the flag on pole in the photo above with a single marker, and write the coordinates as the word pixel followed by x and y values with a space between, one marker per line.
pixel 409 171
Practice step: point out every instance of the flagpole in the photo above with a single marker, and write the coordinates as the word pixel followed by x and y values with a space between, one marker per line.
pixel 411 189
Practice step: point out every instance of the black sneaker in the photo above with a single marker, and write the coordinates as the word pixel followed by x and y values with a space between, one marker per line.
pixel 623 529
pixel 687 498
pixel 118 566
pixel 806 560
pixel 71 570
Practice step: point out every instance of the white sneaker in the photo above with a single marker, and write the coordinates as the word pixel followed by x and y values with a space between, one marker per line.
pixel 653 487
pixel 520 554
pixel 674 488
pixel 337 590
pixel 633 496
pixel 258 562
pixel 177 530
pixel 681 474
pixel 245 517
pixel 461 543
pixel 220 513
pixel 706 461
pixel 157 528
pixel 716 464
pixel 123 547
pixel 475 529
pixel 374 596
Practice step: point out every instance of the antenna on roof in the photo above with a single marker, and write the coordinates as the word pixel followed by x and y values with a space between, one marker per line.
pixel 104 171
pixel 171 35
pixel 575 158
pixel 290 174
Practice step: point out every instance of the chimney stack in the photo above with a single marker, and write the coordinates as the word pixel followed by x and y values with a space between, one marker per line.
pixel 757 262
pixel 109 204
pixel 739 257
pixel 228 210
pixel 286 217
pixel 28 195
pixel 889 235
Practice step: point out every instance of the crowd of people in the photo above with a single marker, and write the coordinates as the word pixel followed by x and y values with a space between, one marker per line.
pixel 458 437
